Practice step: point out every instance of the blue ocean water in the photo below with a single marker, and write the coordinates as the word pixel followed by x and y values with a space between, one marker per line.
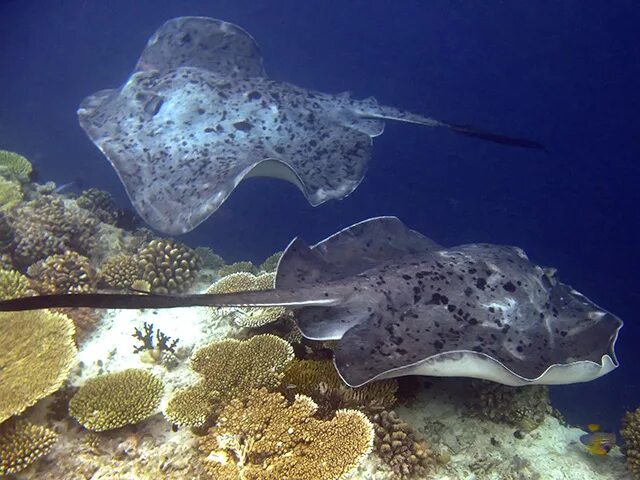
pixel 563 73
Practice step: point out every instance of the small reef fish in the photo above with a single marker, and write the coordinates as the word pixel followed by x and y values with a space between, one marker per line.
pixel 596 442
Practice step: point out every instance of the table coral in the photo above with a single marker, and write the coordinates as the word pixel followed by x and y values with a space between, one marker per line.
pixel 120 271
pixel 10 194
pixel 69 272
pixel 168 266
pixel 14 167
pixel 22 443
pixel 228 368
pixel 630 432
pixel 263 437
pixel 36 358
pixel 117 399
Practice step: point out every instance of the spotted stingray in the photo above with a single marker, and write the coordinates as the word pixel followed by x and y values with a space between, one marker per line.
pixel 198 115
pixel 397 303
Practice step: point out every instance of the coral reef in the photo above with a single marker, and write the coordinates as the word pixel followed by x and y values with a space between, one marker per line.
pixel 21 444
pixel 521 407
pixel 101 204
pixel 397 445
pixel 168 266
pixel 630 432
pixel 271 263
pixel 10 194
pixel 84 319
pixel 120 271
pixel 117 399
pixel 69 272
pixel 6 233
pixel 228 368
pixel 242 282
pixel 13 284
pixel 14 167
pixel 45 226
pixel 153 351
pixel 262 437
pixel 210 260
pixel 37 346
pixel 236 268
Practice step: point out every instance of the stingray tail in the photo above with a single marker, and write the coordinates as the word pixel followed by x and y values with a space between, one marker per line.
pixel 264 298
pixel 390 113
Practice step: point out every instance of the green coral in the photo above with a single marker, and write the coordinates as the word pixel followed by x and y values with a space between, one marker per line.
pixel 117 399
pixel 14 167
pixel 10 194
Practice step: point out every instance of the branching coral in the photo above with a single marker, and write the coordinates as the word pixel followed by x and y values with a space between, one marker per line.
pixel 37 355
pixel 229 368
pixel 153 351
pixel 69 272
pixel 21 444
pixel 631 434
pixel 117 399
pixel 397 445
pixel 120 271
pixel 45 226
pixel 236 268
pixel 13 284
pixel 271 263
pixel 262 437
pixel 168 266
pixel 242 282
pixel 14 167
pixel 101 203
pixel 10 194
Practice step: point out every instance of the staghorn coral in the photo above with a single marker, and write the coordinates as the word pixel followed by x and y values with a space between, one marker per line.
pixel 101 204
pixel 521 407
pixel 45 226
pixel 168 266
pixel 14 167
pixel 397 445
pixel 236 268
pixel 271 263
pixel 319 380
pixel 10 194
pixel 630 432
pixel 153 352
pixel 263 437
pixel 242 282
pixel 116 399
pixel 13 284
pixel 69 272
pixel 228 368
pixel 37 346
pixel 22 443
pixel 120 271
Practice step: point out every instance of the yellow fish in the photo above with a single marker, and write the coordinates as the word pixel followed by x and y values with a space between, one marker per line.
pixel 598 443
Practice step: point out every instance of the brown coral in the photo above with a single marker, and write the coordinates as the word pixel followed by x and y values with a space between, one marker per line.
pixel 229 368
pixel 168 266
pixel 396 443
pixel 37 346
pixel 116 399
pixel 101 203
pixel 69 272
pixel 263 437
pixel 22 443
pixel 120 271
pixel 630 432
pixel 46 226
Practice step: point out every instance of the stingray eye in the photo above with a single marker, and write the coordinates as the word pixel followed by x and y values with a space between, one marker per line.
pixel 153 104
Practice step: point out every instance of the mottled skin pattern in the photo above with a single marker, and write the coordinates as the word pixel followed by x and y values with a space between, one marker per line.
pixel 198 115
pixel 406 300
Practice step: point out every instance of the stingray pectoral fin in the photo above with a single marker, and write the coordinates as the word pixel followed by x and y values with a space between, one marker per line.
pixel 265 298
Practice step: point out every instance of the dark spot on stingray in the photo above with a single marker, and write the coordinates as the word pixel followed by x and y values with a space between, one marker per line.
pixel 468 291
pixel 481 283
pixel 243 126
pixel 253 95
pixel 509 287
pixel 451 308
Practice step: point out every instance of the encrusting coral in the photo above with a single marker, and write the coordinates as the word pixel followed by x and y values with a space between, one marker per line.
pixel 69 272
pixel 630 432
pixel 13 284
pixel 168 266
pixel 14 167
pixel 397 445
pixel 244 281
pixel 228 368
pixel 120 271
pixel 117 399
pixel 22 443
pixel 262 437
pixel 10 194
pixel 37 346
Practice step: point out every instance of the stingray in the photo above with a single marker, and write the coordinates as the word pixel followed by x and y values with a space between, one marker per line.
pixel 397 303
pixel 199 114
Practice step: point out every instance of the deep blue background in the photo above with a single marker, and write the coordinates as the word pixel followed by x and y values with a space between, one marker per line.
pixel 565 73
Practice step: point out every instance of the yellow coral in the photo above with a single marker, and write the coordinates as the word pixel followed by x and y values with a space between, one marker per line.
pixel 271 263
pixel 69 272
pixel 14 167
pixel 117 399
pixel 236 267
pixel 168 266
pixel 262 437
pixel 10 194
pixel 13 284
pixel 22 443
pixel 37 354
pixel 120 271
pixel 229 368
